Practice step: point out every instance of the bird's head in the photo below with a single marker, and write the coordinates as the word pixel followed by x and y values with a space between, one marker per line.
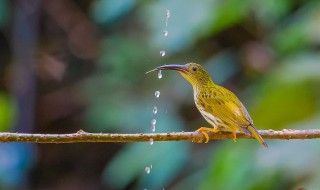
pixel 193 72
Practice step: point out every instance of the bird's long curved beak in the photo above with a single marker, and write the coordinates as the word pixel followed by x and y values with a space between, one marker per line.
pixel 181 68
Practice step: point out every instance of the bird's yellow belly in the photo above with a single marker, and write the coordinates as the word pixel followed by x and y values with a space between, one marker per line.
pixel 214 121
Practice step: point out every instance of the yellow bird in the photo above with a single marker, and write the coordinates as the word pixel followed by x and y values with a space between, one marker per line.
pixel 218 105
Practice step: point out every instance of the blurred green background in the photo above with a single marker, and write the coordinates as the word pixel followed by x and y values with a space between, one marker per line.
pixel 70 65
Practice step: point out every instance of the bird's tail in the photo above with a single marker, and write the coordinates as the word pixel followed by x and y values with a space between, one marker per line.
pixel 256 135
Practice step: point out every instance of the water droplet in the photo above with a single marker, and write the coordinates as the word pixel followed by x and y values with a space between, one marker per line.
pixel 162 53
pixel 147 170
pixel 165 33
pixel 157 94
pixel 167 13
pixel 155 110
pixel 153 121
pixel 160 75
pixel 153 128
pixel 151 141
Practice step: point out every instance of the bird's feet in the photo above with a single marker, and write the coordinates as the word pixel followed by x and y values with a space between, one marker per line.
pixel 234 136
pixel 204 131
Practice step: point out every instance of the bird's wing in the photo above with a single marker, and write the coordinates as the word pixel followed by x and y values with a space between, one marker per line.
pixel 223 104
pixel 226 106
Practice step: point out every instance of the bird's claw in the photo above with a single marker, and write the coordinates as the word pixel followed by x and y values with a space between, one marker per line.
pixel 234 136
pixel 205 134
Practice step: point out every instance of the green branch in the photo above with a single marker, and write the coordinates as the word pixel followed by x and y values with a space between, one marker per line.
pixel 82 136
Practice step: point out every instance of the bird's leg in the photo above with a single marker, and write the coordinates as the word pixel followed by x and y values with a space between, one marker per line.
pixel 204 130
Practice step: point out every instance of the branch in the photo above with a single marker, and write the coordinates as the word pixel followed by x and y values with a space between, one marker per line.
pixel 82 136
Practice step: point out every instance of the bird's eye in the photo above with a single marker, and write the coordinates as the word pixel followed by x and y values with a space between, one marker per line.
pixel 194 68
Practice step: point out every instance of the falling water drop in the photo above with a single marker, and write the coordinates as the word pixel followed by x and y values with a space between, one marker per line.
pixel 165 33
pixel 167 16
pixel 147 170
pixel 159 74
pixel 155 110
pixel 153 128
pixel 153 121
pixel 162 53
pixel 151 141
pixel 157 94
pixel 167 13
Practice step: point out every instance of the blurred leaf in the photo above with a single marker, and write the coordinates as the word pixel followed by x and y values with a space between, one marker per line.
pixel 291 39
pixel 4 13
pixel 289 94
pixel 7 112
pixel 272 11
pixel 301 67
pixel 296 33
pixel 230 12
pixel 291 163
pixel 117 112
pixel 105 11
pixel 280 105
pixel 240 166
pixel 192 181
pixel 233 166
pixel 16 160
pixel 188 22
pixel 167 159
pixel 124 59
pixel 222 66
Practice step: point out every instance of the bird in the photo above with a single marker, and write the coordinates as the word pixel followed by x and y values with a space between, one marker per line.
pixel 219 106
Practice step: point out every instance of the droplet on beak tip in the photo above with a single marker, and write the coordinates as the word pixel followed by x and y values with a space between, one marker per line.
pixel 159 74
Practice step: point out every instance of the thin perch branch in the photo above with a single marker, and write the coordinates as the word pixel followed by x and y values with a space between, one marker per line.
pixel 82 136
